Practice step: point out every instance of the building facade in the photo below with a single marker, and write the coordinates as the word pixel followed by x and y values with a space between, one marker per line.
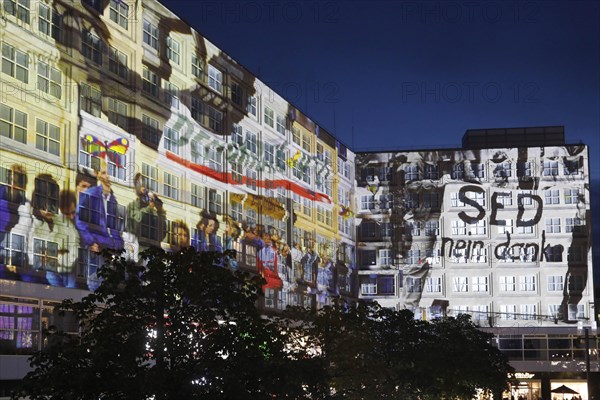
pixel 499 229
pixel 122 127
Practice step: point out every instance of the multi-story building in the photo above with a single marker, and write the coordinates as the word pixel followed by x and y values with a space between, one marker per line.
pixel 499 229
pixel 123 127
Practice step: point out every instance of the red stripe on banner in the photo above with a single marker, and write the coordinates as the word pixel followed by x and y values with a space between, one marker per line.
pixel 227 178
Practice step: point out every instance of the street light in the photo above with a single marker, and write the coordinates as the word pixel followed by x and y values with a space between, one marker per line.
pixel 586 331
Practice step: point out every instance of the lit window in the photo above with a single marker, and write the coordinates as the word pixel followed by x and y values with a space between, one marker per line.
pixel 45 255
pixel 527 283
pixel 460 284
pixel 552 225
pixel 119 12
pixel 15 63
pixel 269 117
pixel 173 50
pixel 150 177
pixel 150 35
pixel 171 186
pixel 47 137
pixel 171 140
pixel 91 47
pixel 198 196
pixel 49 80
pixel 508 284
pixel 215 79
pixel 90 100
pixel 13 124
pixel 550 168
pixel 117 63
pixel 555 283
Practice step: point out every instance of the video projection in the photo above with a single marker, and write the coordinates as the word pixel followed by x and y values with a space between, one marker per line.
pixel 462 226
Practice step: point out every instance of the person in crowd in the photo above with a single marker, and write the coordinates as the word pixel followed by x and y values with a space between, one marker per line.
pixel 83 182
pixel 67 237
pixel 310 261
pixel 252 236
pixel 267 260
pixel 206 235
pixel 146 217
pixel 232 234
pixel 183 234
pixel 97 217
pixel 297 255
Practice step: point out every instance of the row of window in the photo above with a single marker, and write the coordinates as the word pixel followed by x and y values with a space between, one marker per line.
pixel 384 284
pixel 14 126
pixel 475 170
pixel 16 64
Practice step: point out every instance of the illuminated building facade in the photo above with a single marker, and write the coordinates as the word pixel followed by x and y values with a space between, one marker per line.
pixel 122 127
pixel 499 229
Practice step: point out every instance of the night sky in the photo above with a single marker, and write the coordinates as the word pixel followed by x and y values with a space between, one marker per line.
pixel 411 74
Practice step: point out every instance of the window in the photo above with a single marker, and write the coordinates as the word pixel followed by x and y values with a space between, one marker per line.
pixel 527 283
pixel 503 170
pixel 173 50
pixel 50 22
pixel 432 228
pixel 411 200
pixel 281 158
pixel 385 285
pixel 572 167
pixel 269 153
pixel 413 285
pixel 459 227
pixel 555 283
pixel 171 140
pixel 116 164
pixel 13 124
pixel 251 177
pixel 528 311
pixel 555 311
pixel 431 200
pixel 13 182
pixel 524 169
pixel 385 257
pixel 296 136
pixel 236 93
pixel 236 211
pixel 197 150
pixel 479 228
pixel 45 255
pixel 171 94
pixel 237 135
pixel 251 143
pixel 575 254
pixel 507 284
pixel 571 196
pixel 306 142
pixel 478 254
pixel 552 196
pixel 18 8
pixel 91 47
pixel 576 283
pixel 215 159
pixel 46 195
pixel 118 113
pixel 47 137
pixel 504 198
pixel 480 312
pixel 525 229
pixel 455 200
pixel 171 186
pixel 368 286
pixel 458 171
pixel 524 197
pixel 90 100
pixel 479 283
pixel 215 201
pixel 367 202
pixel 411 173
pixel 430 172
pixel 415 228
pixel 15 63
pixel 550 168
pixel 150 177
pixel 150 129
pixel 552 225
pixel 386 201
pixel 198 196
pixel 215 79
pixel 507 227
pixel 150 35
pixel 12 250
pixel 574 225
pixel 367 258
pixel 117 63
pixel 95 4
pixel 149 227
pixel 576 311
pixel 506 254
pixel 49 80
pixel 433 284
pixel 198 66
pixel 198 112
pixel 251 106
pixel 307 206
pixel 461 284
pixel 508 311
pixel 150 82
pixel 478 197
pixel 236 173
pixel 269 117
pixel 215 119
pixel 553 253
pixel 119 12
pixel 368 229
pixel 413 256
pixel 280 124
pixel 476 170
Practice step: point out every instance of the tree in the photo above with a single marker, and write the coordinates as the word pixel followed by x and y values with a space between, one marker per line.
pixel 176 327
pixel 370 352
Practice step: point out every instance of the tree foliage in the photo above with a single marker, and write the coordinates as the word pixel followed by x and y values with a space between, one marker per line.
pixel 370 352
pixel 178 327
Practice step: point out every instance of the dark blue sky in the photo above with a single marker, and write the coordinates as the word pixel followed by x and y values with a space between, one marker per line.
pixel 412 74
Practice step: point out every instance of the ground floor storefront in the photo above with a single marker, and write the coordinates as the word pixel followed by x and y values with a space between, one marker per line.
pixel 553 386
